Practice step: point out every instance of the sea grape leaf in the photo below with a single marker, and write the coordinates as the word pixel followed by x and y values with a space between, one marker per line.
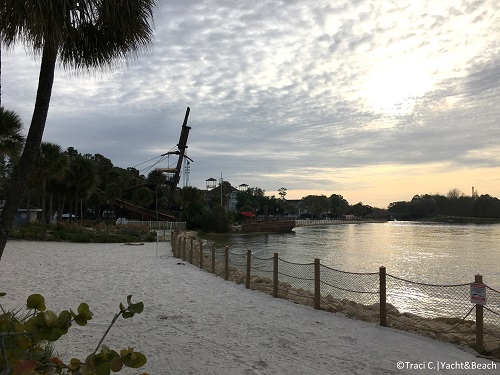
pixel 80 320
pixel 127 314
pixel 134 360
pixel 136 308
pixel 84 310
pixel 36 301
pixel 103 369
pixel 64 318
pixel 24 366
pixel 74 364
pixel 50 318
pixel 53 334
pixel 116 364
pixel 39 319
pixel 23 342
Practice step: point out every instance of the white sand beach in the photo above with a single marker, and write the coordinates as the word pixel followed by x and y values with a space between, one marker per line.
pixel 197 323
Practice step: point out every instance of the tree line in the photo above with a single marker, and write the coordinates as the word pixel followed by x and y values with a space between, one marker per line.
pixel 454 204
pixel 87 187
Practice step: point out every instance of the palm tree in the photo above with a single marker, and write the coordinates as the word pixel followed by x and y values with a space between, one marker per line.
pixel 80 181
pixel 82 34
pixel 51 165
pixel 11 143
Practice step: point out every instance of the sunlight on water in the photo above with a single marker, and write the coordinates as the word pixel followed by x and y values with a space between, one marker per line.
pixel 428 253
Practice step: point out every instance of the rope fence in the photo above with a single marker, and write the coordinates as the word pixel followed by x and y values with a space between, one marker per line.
pixel 445 312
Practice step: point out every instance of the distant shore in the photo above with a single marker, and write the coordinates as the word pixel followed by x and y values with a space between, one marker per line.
pixel 461 220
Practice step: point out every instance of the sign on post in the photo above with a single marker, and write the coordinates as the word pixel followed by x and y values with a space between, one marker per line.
pixel 478 293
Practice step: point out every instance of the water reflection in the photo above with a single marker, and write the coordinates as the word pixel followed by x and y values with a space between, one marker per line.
pixel 422 252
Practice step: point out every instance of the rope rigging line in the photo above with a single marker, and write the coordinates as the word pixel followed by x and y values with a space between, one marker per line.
pixel 147 161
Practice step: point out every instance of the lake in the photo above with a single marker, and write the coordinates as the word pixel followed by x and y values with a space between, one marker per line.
pixel 433 253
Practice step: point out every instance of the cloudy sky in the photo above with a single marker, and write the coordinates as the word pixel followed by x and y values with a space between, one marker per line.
pixel 375 100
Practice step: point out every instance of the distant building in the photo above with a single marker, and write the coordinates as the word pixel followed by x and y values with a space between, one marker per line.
pixel 22 215
pixel 243 187
pixel 228 191
pixel 211 183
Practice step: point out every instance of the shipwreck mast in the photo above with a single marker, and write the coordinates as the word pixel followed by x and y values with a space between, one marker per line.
pixel 181 151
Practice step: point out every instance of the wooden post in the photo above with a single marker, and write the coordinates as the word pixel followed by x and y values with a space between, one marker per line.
pixel 191 252
pixel 213 257
pixel 172 244
pixel 184 249
pixel 275 276
pixel 249 267
pixel 479 320
pixel 317 285
pixel 383 297
pixel 226 263
pixel 201 255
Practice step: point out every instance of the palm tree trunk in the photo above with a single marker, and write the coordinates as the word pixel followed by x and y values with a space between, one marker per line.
pixel 32 145
pixel 43 219
pixel 60 209
pixel 28 207
pixel 51 208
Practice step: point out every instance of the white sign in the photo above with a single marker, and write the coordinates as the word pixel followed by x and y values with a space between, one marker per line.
pixel 478 293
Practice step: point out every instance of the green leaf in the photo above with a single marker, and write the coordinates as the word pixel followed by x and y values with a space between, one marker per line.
pixel 116 364
pixel 39 319
pixel 134 360
pixel 129 299
pixel 128 314
pixel 84 310
pixel 87 369
pixel 64 319
pixel 23 342
pixel 53 334
pixel 36 301
pixel 136 308
pixel 103 369
pixel 89 366
pixel 122 307
pixel 50 318
pixel 74 364
pixel 80 320
pixel 2 294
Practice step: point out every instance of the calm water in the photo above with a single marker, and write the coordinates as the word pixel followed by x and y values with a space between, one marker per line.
pixel 423 252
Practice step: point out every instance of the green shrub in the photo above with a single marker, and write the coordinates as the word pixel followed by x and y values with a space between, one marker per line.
pixel 27 339
pixel 81 237
pixel 88 232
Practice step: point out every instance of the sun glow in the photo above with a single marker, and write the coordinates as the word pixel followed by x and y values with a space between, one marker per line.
pixel 395 89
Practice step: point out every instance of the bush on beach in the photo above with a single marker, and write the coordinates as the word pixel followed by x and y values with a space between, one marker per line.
pixel 26 341
pixel 87 232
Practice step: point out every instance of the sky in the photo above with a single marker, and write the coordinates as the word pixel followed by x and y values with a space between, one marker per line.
pixel 374 100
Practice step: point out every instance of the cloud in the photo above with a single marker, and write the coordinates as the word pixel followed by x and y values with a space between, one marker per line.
pixel 290 92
